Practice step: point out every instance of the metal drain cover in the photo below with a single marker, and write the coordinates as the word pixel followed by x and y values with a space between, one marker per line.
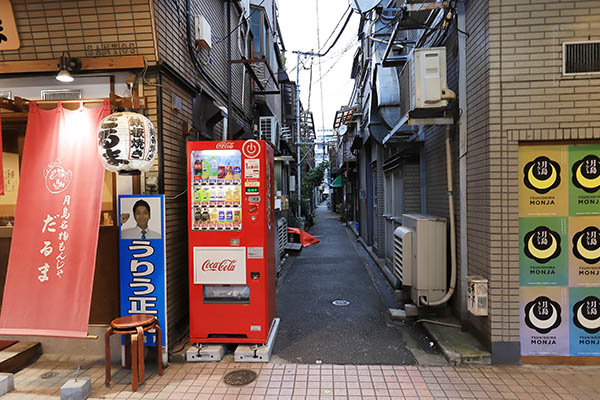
pixel 239 377
pixel 340 302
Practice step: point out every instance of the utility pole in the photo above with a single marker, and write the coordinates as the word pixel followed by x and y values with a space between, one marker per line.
pixel 299 139
pixel 229 112
pixel 298 160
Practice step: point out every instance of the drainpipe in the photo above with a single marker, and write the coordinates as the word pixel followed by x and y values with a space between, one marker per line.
pixel 462 153
pixel 225 123
pixel 450 292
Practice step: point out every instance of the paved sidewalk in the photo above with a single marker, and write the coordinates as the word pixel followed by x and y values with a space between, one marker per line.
pixel 194 381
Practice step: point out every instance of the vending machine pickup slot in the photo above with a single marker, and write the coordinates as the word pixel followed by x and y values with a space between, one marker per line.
pixel 226 294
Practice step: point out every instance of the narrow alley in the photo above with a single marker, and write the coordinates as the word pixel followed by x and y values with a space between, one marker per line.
pixel 314 330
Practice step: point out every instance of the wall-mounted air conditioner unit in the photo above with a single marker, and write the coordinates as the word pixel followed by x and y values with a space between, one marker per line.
pixel 202 32
pixel 428 257
pixel 423 80
pixel 403 244
pixel 268 129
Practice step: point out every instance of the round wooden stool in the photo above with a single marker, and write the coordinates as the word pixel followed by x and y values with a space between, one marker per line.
pixel 134 327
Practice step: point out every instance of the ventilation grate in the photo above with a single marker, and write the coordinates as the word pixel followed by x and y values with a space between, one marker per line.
pixel 61 94
pixel 581 58
pixel 282 236
pixel 398 264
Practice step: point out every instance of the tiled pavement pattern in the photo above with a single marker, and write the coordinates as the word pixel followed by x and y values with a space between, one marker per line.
pixel 194 381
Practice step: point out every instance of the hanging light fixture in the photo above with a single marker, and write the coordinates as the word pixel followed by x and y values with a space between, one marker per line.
pixel 67 65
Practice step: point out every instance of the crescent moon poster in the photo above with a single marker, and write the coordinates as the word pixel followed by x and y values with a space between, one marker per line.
pixel 584 180
pixel 543 190
pixel 543 251
pixel 584 251
pixel 544 321
pixel 584 321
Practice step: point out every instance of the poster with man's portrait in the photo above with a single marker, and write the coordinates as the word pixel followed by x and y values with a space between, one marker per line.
pixel 140 217
pixel 142 260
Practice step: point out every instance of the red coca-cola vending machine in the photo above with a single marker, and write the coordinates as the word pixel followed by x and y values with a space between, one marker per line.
pixel 231 241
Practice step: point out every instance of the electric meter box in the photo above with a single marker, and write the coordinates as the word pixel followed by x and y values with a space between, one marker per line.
pixel 477 295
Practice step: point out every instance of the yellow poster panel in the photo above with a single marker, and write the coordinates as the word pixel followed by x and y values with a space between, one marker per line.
pixel 543 181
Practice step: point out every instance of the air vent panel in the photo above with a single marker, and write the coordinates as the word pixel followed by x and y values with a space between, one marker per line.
pixel 581 58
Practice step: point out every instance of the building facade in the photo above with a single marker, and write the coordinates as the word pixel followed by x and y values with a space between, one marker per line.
pixel 525 75
pixel 151 56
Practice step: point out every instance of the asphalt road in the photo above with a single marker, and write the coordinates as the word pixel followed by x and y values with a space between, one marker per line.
pixel 314 330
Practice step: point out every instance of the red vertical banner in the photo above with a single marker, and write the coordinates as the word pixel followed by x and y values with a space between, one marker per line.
pixel 1 165
pixel 50 273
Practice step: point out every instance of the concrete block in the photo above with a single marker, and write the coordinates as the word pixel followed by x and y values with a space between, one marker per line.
pixel 258 353
pixel 208 352
pixel 7 383
pixel 411 310
pixel 76 389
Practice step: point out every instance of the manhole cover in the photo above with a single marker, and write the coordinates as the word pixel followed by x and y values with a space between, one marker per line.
pixel 340 302
pixel 239 377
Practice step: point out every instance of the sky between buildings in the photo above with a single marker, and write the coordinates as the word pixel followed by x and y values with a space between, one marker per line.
pixel 331 84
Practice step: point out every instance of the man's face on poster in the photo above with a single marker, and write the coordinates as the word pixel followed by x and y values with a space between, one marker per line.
pixel 141 216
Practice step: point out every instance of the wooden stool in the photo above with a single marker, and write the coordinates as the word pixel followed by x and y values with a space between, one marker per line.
pixel 134 326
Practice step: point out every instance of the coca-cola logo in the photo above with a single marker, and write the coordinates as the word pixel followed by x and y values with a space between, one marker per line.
pixel 220 266
pixel 225 145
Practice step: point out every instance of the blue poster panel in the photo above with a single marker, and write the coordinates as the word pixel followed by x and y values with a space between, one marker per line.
pixel 584 317
pixel 544 321
pixel 142 259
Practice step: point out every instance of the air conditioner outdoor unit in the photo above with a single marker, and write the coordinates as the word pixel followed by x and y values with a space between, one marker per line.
pixel 427 256
pixel 477 295
pixel 268 128
pixel 202 32
pixel 403 243
pixel 423 80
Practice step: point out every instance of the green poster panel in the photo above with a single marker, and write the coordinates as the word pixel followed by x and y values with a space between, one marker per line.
pixel 584 180
pixel 543 251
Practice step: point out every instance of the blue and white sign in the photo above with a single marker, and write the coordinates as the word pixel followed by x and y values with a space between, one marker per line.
pixel 143 258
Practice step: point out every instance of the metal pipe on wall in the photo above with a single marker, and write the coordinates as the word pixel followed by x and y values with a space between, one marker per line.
pixel 462 152
pixel 452 286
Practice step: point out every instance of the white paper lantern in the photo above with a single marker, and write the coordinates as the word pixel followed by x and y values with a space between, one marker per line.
pixel 127 142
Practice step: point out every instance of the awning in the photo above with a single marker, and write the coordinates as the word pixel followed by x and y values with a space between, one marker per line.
pixel 337 182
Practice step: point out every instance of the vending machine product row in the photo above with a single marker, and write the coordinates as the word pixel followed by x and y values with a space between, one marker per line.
pixel 231 241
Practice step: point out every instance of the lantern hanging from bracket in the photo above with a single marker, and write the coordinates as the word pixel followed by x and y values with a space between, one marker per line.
pixel 127 142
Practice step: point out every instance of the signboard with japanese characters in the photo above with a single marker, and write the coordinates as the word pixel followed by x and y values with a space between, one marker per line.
pixel 143 259
pixel 9 37
pixel 559 254
pixel 51 265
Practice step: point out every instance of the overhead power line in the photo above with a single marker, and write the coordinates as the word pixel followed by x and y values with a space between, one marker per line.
pixel 335 28
pixel 339 34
